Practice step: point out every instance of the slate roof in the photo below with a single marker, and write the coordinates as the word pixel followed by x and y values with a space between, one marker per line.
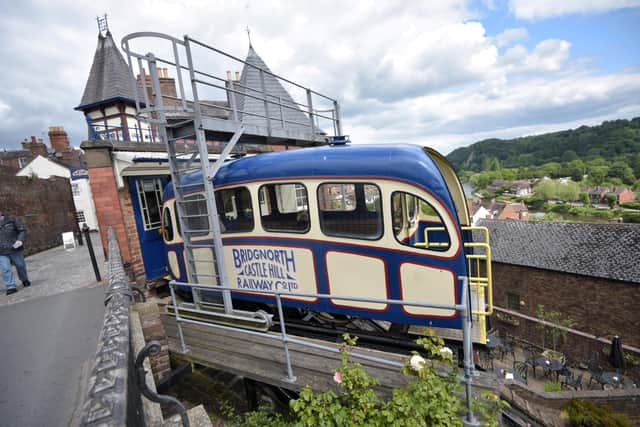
pixel 14 154
pixel 109 78
pixel 250 78
pixel 603 250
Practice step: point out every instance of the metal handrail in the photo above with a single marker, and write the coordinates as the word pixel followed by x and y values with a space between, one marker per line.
pixel 477 281
pixel 229 86
pixel 464 308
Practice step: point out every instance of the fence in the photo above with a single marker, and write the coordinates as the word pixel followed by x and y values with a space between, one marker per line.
pixel 112 397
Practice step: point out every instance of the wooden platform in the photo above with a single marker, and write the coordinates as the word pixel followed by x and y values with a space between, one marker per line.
pixel 263 359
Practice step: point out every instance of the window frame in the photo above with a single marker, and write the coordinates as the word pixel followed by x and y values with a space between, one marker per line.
pixel 410 219
pixel 238 212
pixel 356 209
pixel 147 224
pixel 267 201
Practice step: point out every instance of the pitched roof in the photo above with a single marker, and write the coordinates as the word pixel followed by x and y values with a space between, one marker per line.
pixel 109 78
pixel 250 79
pixel 14 154
pixel 590 249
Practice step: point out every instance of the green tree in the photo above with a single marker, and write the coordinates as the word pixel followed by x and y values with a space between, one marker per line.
pixel 568 192
pixel 576 169
pixel 612 200
pixel 546 189
pixel 597 174
pixel 491 164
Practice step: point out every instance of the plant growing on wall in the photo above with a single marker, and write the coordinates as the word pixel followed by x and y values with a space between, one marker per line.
pixel 551 333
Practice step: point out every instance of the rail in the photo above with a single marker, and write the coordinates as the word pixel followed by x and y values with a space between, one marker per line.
pixel 312 109
pixel 116 382
pixel 478 265
pixel 464 308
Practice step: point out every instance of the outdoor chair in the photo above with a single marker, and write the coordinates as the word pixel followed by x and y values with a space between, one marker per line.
pixel 486 360
pixel 531 358
pixel 570 380
pixel 508 348
pixel 596 375
pixel 520 371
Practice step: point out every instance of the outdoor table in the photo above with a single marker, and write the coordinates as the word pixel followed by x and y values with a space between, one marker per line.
pixel 550 365
pixel 615 379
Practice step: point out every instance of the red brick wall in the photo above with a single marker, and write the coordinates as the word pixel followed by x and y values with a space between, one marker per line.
pixel 106 199
pixel 626 196
pixel 44 205
pixel 600 307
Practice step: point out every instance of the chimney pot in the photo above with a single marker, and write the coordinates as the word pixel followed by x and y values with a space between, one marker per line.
pixel 238 76
pixel 33 139
pixel 228 75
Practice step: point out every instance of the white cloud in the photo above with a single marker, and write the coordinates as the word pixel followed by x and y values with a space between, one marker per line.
pixel 417 72
pixel 510 35
pixel 541 9
pixel 548 55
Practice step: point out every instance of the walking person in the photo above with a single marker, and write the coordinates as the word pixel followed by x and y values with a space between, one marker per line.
pixel 12 236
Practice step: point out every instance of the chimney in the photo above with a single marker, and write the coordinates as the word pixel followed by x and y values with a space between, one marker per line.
pixel 59 140
pixel 36 148
pixel 228 75
pixel 237 76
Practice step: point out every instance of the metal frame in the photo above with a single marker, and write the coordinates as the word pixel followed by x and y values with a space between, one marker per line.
pixel 465 309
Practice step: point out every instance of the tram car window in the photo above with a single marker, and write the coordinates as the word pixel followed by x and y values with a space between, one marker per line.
pixel 167 225
pixel 235 210
pixel 284 208
pixel 416 223
pixel 197 220
pixel 350 210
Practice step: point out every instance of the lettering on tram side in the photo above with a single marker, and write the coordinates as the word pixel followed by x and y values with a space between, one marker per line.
pixel 265 269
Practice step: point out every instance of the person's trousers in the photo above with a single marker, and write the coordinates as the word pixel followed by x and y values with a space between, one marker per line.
pixel 16 258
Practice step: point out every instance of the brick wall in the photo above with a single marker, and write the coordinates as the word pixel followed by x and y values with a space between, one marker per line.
pixel 44 205
pixel 152 329
pixel 106 200
pixel 600 307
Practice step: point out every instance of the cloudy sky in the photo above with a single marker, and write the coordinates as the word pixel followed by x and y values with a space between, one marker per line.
pixel 438 73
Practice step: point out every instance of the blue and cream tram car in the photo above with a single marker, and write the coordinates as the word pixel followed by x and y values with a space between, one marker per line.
pixel 374 221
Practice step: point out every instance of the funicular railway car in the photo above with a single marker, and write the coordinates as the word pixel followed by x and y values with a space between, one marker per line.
pixel 374 221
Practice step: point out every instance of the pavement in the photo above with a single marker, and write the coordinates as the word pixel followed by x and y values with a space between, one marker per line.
pixel 49 336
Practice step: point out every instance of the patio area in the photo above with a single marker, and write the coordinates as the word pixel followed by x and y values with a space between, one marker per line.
pixel 545 370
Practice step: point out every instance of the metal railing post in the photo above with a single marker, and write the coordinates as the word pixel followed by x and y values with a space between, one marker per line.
pixel 266 102
pixel 467 346
pixel 283 330
pixel 310 111
pixel 338 122
pixel 178 319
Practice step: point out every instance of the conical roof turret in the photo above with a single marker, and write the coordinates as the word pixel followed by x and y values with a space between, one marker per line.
pixel 109 79
pixel 250 84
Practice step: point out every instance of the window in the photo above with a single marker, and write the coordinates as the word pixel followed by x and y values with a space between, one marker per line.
pixel 75 189
pixel 167 225
pixel 234 210
pixel 416 223
pixel 150 197
pixel 22 162
pixel 513 301
pixel 350 210
pixel 80 219
pixel 197 215
pixel 284 208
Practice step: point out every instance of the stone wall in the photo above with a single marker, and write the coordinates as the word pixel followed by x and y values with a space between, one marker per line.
pixel 547 407
pixel 153 329
pixel 44 205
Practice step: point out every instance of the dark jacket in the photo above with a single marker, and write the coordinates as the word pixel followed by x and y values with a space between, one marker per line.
pixel 11 229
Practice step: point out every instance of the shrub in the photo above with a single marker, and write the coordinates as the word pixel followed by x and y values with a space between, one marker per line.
pixel 429 399
pixel 584 413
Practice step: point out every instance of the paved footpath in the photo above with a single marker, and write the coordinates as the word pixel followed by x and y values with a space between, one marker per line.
pixel 48 337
